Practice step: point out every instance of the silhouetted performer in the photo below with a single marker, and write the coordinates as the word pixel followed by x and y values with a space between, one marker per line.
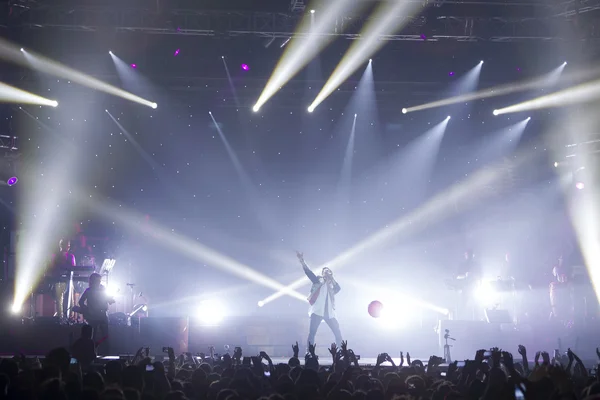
pixel 322 301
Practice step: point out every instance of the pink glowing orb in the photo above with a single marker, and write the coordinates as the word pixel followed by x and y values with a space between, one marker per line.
pixel 580 185
pixel 133 66
pixel 176 53
pixel 375 308
pixel 245 67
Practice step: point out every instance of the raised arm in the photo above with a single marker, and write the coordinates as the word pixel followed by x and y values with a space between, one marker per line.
pixel 313 278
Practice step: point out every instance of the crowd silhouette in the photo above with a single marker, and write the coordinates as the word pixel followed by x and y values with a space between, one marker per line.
pixel 491 374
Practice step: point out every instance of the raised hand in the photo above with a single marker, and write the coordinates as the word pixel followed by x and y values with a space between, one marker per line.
pixel 265 356
pixel 452 368
pixel 300 256
pixel 352 356
pixel 408 359
pixel 344 348
pixel 296 349
pixel 598 352
pixel 401 358
pixel 522 351
pixel 546 357
pixel 537 358
pixel 381 358
pixel 312 348
pixel 333 350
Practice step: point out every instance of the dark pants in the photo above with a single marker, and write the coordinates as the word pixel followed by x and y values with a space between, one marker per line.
pixel 315 321
pixel 100 328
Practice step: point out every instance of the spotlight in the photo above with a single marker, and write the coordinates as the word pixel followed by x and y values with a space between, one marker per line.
pixel 355 115
pixel 481 62
pixel 54 104
pixel 154 105
pixel 210 312
pixel 261 303
pixel 15 309
pixel 12 181
pixel 370 60
pixel 555 164
pixel 245 67
pixel 310 109
pixel 528 118
pixel 565 63
pixel 176 53
pixel 580 185
pixel 255 108
pixel 110 52
pixel 223 57
pixel 22 49
pixel 448 117
pixel 404 111
pixel 210 112
pixel 312 11
pixel 495 112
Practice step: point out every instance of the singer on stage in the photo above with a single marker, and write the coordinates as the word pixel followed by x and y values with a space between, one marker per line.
pixel 322 301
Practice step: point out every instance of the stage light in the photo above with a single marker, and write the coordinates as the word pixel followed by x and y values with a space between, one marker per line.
pixel 261 303
pixel 481 62
pixel 355 115
pixel 110 52
pixel 580 185
pixel 495 112
pixel 134 66
pixel 312 11
pixel 565 63
pixel 255 108
pixel 154 105
pixel 245 67
pixel 370 60
pixel 176 53
pixel 22 49
pixel 211 312
pixel 404 111
pixel 12 181
pixel 448 117
pixel 15 309
pixel 485 294
pixel 451 73
pixel 223 57
pixel 310 109
pixel 528 118
pixel 54 104
pixel 112 290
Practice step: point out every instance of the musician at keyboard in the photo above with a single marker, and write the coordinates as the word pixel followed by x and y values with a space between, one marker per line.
pixel 61 261
pixel 93 304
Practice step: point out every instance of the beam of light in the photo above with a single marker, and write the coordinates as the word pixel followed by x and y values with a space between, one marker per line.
pixel 347 165
pixel 389 18
pixel 10 94
pixel 457 198
pixel 503 142
pixel 231 85
pixel 542 82
pixel 11 53
pixel 399 297
pixel 180 243
pixel 582 204
pixel 582 93
pixel 468 82
pixel 304 47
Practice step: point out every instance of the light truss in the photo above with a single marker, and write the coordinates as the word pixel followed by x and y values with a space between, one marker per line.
pixel 283 25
